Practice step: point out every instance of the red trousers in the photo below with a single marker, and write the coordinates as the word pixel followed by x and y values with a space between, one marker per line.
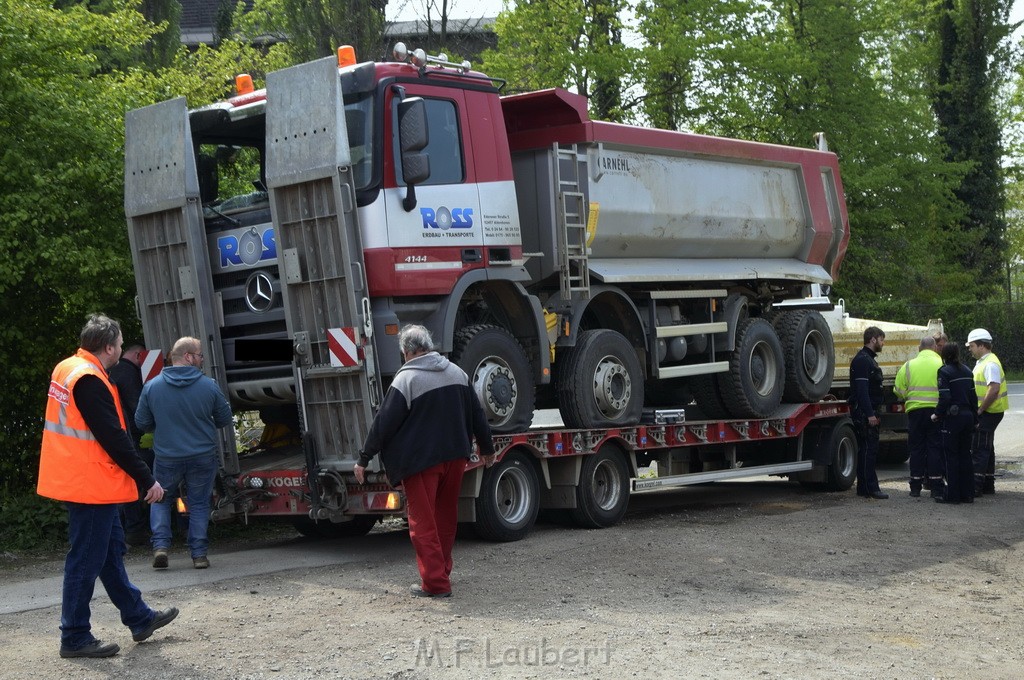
pixel 433 498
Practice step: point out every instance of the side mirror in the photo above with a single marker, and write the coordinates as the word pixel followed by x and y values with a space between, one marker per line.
pixel 413 137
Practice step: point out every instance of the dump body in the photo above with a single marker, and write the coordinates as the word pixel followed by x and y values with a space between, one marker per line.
pixel 902 343
pixel 672 206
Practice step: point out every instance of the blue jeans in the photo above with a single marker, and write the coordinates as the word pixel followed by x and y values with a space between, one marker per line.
pixel 198 475
pixel 97 551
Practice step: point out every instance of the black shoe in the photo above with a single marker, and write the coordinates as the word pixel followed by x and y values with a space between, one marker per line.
pixel 159 621
pixel 416 591
pixel 943 499
pixel 94 650
pixel 915 493
pixel 878 495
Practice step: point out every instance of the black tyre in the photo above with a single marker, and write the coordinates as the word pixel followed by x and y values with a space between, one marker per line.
pixel 600 382
pixel 667 392
pixel 500 373
pixel 893 452
pixel 708 396
pixel 842 456
pixel 360 525
pixel 509 499
pixel 808 353
pixel 603 490
pixel 753 386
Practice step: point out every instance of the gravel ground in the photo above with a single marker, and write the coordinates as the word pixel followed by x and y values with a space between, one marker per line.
pixel 740 580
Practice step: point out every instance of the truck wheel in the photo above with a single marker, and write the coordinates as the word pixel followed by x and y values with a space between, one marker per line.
pixel 603 490
pixel 753 386
pixel 667 392
pixel 893 452
pixel 841 456
pixel 600 383
pixel 360 525
pixel 500 374
pixel 809 355
pixel 708 395
pixel 509 499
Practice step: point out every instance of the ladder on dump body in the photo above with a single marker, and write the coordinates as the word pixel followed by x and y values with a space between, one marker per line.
pixel 571 224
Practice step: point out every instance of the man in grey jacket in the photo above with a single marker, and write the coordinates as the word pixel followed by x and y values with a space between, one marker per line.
pixel 424 433
pixel 183 409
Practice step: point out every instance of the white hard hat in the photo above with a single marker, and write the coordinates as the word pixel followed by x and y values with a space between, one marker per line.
pixel 979 334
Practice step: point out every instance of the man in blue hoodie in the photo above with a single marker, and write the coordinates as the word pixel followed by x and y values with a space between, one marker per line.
pixel 183 409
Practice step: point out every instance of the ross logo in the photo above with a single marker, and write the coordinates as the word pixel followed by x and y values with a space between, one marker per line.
pixel 445 219
pixel 259 292
pixel 246 247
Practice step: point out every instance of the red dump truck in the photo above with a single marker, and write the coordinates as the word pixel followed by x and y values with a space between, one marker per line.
pixel 651 285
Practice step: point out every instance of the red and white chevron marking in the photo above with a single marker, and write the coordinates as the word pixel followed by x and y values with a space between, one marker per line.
pixel 343 346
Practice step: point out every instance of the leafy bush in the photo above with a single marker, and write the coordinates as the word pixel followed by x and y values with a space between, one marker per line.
pixel 28 521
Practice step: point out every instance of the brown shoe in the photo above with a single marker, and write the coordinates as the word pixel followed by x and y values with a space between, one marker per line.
pixel 160 558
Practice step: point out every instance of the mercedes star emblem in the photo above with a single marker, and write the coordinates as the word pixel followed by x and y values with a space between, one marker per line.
pixel 259 292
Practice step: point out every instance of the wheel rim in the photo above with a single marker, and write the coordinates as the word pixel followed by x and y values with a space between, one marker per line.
pixel 845 456
pixel 763 368
pixel 612 387
pixel 495 387
pixel 815 356
pixel 606 485
pixel 512 495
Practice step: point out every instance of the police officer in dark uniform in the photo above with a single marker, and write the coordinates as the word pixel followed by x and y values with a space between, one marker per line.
pixel 957 415
pixel 865 399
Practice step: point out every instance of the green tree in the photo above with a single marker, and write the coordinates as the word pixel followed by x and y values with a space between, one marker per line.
pixel 69 76
pixel 318 27
pixel 781 70
pixel 972 63
pixel 575 44
pixel 63 249
pixel 159 51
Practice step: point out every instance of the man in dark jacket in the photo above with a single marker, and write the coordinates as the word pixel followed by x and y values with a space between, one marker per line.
pixel 866 398
pixel 183 409
pixel 126 376
pixel 424 433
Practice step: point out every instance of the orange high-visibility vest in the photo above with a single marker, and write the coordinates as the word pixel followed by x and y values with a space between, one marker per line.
pixel 72 464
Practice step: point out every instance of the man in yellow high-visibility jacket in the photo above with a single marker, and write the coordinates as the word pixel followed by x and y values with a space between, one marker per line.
pixel 917 384
pixel 993 402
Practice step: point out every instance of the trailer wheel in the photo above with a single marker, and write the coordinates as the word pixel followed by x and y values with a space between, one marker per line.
pixel 360 525
pixel 603 490
pixel 509 499
pixel 809 354
pixel 753 386
pixel 500 374
pixel 601 383
pixel 841 456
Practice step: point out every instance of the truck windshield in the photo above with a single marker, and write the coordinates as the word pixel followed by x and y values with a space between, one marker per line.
pixel 231 165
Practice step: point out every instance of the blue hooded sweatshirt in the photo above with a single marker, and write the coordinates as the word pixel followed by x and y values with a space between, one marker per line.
pixel 183 409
